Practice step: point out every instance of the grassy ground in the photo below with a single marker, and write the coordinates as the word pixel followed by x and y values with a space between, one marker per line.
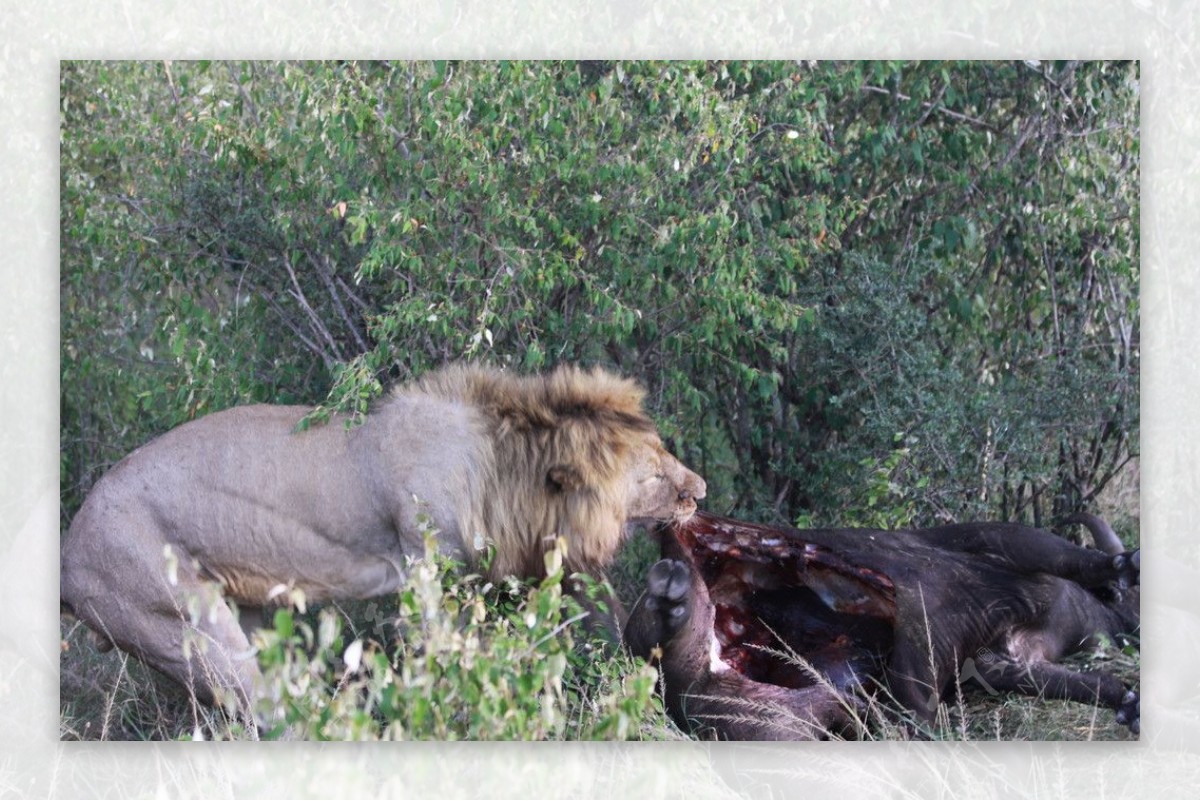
pixel 109 696
pixel 112 697
pixel 520 671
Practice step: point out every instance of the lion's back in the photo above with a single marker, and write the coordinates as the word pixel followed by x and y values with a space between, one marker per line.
pixel 236 490
pixel 256 502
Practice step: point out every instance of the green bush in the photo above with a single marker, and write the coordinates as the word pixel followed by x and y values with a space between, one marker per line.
pixel 798 259
pixel 457 658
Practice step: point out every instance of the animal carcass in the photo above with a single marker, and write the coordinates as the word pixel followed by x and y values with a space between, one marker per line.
pixel 780 633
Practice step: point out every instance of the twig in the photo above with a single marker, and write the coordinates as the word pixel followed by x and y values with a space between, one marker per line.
pixel 315 320
pixel 321 265
pixel 308 343
pixel 359 302
pixel 933 107
pixel 171 81
pixel 1022 138
pixel 244 94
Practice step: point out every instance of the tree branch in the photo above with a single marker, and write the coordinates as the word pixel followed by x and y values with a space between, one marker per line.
pixel 931 107
pixel 321 265
pixel 314 319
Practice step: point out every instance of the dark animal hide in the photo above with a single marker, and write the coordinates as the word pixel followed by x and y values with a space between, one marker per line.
pixel 732 604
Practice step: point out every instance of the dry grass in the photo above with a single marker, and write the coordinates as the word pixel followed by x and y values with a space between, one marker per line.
pixel 109 696
pixel 112 696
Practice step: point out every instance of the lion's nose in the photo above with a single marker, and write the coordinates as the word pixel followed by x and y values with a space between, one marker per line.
pixel 693 494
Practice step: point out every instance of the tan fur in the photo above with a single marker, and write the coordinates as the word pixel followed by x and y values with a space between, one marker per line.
pixel 588 426
pixel 245 503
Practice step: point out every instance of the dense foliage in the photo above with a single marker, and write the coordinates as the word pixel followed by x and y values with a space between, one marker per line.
pixel 821 271
pixel 858 293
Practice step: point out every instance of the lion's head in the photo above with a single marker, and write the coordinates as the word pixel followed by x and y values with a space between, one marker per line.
pixel 576 456
pixel 659 487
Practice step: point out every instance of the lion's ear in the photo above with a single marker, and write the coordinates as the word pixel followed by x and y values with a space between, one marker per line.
pixel 564 478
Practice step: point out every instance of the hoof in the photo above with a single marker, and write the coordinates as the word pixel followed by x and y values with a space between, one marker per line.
pixel 1129 568
pixel 667 592
pixel 1130 712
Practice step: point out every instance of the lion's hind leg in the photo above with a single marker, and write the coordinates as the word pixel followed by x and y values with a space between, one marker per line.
pixel 206 648
pixel 153 603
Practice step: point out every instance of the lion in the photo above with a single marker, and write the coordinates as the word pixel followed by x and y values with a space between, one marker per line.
pixel 234 505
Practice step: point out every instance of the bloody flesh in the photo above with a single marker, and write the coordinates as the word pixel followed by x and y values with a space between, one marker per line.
pixel 778 597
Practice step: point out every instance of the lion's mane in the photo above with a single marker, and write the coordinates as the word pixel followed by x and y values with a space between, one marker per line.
pixel 555 461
